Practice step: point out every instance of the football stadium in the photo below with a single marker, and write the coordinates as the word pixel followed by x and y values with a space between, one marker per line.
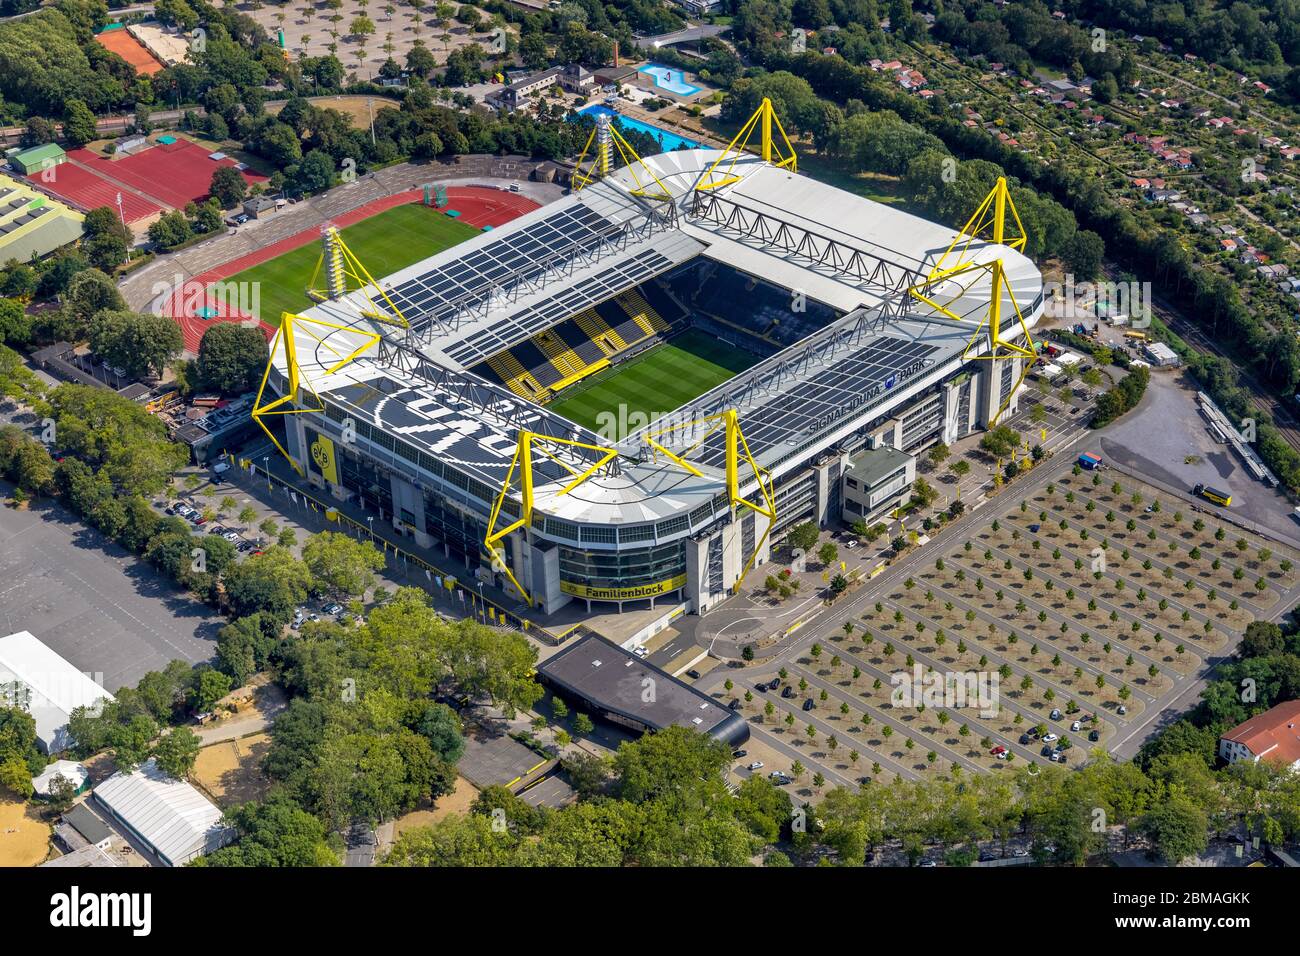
pixel 625 398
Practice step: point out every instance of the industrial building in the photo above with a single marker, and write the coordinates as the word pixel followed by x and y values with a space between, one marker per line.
pixel 33 225
pixel 429 397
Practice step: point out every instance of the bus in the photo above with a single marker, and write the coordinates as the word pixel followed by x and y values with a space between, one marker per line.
pixel 1223 498
pixel 1136 336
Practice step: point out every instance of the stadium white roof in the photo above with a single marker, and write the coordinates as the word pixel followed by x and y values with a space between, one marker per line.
pixel 500 287
pixel 46 686
pixel 176 821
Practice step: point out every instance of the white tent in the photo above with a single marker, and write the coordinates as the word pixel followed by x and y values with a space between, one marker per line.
pixel 72 771
pixel 39 681
pixel 174 820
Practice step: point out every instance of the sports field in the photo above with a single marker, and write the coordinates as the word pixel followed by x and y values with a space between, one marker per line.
pixel 652 384
pixel 384 243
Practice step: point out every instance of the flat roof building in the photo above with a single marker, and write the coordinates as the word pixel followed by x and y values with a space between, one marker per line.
pixel 613 683
pixel 172 819
pixel 45 685
pixel 877 480
pixel 32 224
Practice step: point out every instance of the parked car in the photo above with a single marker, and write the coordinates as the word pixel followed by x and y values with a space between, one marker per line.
pixel 1056 713
pixel 761 687
pixel 1024 739
pixel 735 704
pixel 756 765
pixel 1046 751
pixel 737 754
pixel 808 704
pixel 1076 726
pixel 787 691
pixel 1048 738
pixel 774 683
pixel 1094 735
pixel 221 467
pixel 1034 528
pixel 231 536
pixel 693 674
pixel 332 608
pixel 1122 710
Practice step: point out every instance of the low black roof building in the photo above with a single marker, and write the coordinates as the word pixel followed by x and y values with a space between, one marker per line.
pixel 620 687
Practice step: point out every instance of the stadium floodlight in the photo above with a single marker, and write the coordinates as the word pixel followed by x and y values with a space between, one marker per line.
pixel 522 461
pixel 286 343
pixel 345 273
pixel 762 122
pixel 736 447
pixel 607 139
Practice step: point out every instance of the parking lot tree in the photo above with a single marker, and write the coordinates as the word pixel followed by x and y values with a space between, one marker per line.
pixel 804 536
pixel 828 553
pixel 272 583
pixel 582 724
pixel 341 564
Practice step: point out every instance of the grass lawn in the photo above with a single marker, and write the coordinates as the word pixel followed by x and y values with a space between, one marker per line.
pixel 655 383
pixel 391 240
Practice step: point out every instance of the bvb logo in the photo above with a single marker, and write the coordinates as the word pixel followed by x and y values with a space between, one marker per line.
pixel 321 455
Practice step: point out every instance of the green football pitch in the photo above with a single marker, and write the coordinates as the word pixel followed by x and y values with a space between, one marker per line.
pixel 652 384
pixel 386 242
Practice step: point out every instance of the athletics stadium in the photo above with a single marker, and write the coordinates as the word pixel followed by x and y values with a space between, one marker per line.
pixel 625 398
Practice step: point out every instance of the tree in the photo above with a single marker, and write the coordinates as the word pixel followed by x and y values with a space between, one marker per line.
pixel 231 358
pixel 1176 827
pixel 1084 254
pixel 88 293
pixel 342 564
pixel 827 553
pixel 139 343
pixel 362 27
pixel 273 583
pixel 79 124
pixel 176 752
pixel 442 727
pixel 228 186
pixel 15 324
pixel 273 833
pixel 804 536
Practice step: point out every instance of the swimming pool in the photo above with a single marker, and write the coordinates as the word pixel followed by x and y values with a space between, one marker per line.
pixel 669 141
pixel 666 78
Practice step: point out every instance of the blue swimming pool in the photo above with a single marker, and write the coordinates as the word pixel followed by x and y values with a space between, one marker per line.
pixel 667 78
pixel 669 141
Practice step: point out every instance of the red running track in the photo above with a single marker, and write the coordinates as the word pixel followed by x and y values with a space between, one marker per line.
pixel 478 206
pixel 87 191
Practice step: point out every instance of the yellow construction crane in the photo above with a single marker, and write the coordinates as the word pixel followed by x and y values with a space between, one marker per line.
pixel 779 153
pixel 344 273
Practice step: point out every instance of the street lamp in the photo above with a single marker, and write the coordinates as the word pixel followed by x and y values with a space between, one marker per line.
pixel 266 467
pixel 370 523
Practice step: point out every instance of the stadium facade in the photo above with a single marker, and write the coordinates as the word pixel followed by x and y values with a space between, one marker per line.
pixel 866 326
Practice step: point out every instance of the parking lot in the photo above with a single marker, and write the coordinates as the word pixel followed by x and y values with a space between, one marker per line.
pixel 1169 443
pixel 104 610
pixel 1093 604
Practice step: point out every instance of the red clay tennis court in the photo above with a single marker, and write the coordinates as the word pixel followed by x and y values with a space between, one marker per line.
pixel 130 49
pixel 171 173
pixel 87 191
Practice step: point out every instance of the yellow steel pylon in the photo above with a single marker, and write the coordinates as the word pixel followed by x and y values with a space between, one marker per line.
pixel 343 269
pixel 769 148
pixel 523 461
pixel 988 224
pixel 737 448
pixel 286 404
pixel 608 140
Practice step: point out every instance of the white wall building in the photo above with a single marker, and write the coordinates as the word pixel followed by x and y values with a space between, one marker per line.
pixel 45 685
pixel 172 819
